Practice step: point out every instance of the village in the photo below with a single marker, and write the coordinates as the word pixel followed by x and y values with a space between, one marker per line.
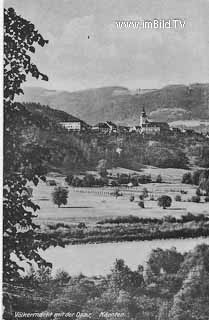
pixel 145 127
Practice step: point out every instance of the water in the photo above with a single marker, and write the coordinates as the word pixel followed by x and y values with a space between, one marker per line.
pixel 98 259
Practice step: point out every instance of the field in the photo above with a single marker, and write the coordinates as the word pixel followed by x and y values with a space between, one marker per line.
pixel 90 205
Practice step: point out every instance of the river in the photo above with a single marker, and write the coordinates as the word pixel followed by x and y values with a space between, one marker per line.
pixel 98 259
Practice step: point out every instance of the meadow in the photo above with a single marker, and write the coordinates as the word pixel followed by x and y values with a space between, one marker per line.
pixel 91 205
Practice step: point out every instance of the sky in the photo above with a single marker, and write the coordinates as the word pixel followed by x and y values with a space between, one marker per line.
pixel 86 48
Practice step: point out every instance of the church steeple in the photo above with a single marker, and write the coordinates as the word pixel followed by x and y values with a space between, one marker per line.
pixel 143 117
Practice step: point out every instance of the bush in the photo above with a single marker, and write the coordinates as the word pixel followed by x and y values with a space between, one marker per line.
pixel 195 199
pixel 131 198
pixel 82 225
pixel 141 197
pixel 159 179
pixel 207 199
pixel 144 179
pixel 141 204
pixel 59 196
pixel 69 179
pixel 164 201
pixel 178 198
pixel 114 183
pixel 198 192
pixel 187 178
pixel 152 198
pixel 145 192
pixel 183 192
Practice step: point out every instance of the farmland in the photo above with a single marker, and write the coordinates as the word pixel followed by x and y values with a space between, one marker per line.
pixel 92 204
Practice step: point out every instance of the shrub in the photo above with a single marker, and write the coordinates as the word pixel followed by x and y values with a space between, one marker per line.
pixel 196 177
pixel 102 168
pixel 195 199
pixel 81 225
pixel 141 204
pixel 131 198
pixel 207 199
pixel 183 192
pixel 141 197
pixel 178 198
pixel 88 180
pixel 145 192
pixel 159 179
pixel 164 201
pixel 59 196
pixel 69 179
pixel 144 178
pixel 187 178
pixel 114 183
pixel 198 192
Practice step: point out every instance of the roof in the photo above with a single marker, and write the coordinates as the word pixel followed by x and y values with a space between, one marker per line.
pixel 102 125
pixel 155 124
pixel 111 123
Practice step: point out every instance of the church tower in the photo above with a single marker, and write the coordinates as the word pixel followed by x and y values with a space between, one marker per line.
pixel 143 117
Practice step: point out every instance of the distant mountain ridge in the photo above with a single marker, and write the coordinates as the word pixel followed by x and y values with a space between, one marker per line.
pixel 119 104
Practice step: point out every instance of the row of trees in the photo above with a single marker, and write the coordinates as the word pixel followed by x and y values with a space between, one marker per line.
pixel 90 180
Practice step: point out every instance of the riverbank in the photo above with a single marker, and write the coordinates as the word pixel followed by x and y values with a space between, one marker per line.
pixel 129 228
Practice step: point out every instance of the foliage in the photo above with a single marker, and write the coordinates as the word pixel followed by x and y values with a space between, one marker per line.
pixel 187 178
pixel 203 159
pixel 164 201
pixel 131 198
pixel 145 192
pixel 178 198
pixel 102 167
pixel 159 179
pixel 195 199
pixel 171 286
pixel 141 204
pixel 164 157
pixel 69 179
pixel 207 199
pixel 23 162
pixel 60 195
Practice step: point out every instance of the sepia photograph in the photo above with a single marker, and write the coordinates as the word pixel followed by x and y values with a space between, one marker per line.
pixel 105 160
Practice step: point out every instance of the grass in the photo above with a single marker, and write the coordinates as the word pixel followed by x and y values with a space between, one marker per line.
pixel 91 207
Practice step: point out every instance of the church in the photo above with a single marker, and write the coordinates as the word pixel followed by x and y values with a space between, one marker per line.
pixel 149 127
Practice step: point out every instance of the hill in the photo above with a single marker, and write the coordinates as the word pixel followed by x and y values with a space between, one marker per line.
pixel 72 152
pixel 171 103
pixel 53 115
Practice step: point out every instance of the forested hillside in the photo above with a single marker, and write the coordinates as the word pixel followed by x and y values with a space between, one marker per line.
pixel 82 151
pixel 171 103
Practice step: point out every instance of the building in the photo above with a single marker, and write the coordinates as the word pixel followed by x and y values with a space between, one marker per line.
pixel 149 127
pixel 76 125
pixel 105 127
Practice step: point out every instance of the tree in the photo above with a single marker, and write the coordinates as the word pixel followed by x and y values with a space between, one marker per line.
pixel 187 178
pixel 141 204
pixel 69 179
pixel 131 198
pixel 196 199
pixel 23 161
pixel 159 179
pixel 60 195
pixel 198 192
pixel 145 192
pixel 102 168
pixel 164 201
pixel 178 198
